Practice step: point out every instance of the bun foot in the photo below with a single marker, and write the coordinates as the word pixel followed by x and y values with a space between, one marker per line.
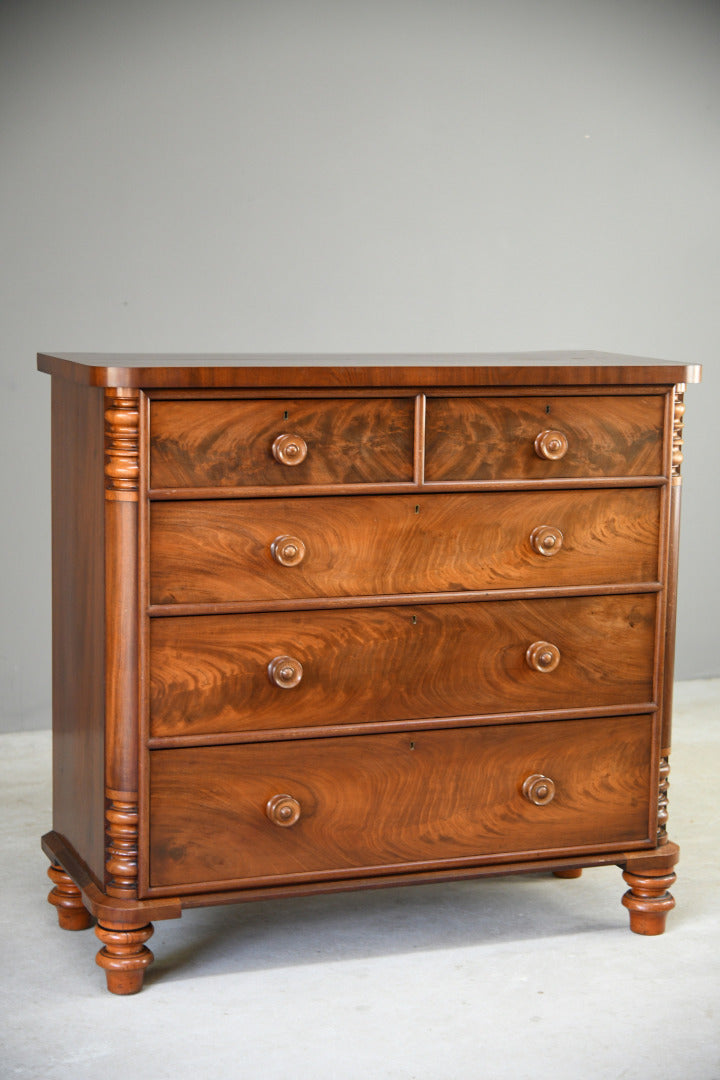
pixel 576 873
pixel 124 956
pixel 67 900
pixel 648 900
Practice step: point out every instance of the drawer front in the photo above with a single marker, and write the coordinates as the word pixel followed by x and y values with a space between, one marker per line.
pixel 539 438
pixel 281 549
pixel 266 443
pixel 214 673
pixel 397 801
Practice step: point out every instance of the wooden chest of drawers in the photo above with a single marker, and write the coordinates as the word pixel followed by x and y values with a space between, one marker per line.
pixel 333 623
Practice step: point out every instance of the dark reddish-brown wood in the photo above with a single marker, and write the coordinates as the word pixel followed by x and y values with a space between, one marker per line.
pixel 373 545
pixel 78 640
pixel 324 623
pixel 315 441
pixel 503 438
pixel 210 673
pixel 373 803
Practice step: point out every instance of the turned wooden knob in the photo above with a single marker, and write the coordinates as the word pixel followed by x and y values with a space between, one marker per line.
pixel 283 810
pixel 551 445
pixel 285 672
pixel 546 539
pixel 289 449
pixel 539 789
pixel 542 656
pixel 287 550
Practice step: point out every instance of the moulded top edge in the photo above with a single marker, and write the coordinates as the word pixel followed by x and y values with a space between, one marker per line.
pixel 208 371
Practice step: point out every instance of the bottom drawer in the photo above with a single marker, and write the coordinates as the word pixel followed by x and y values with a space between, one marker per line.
pixel 393 802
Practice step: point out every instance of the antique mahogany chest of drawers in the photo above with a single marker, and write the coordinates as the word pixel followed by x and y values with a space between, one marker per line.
pixel 327 623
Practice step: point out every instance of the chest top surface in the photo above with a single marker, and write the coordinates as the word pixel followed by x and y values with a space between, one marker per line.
pixel 356 370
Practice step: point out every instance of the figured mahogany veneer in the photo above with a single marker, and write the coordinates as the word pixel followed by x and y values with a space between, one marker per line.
pixel 222 552
pixel 323 623
pixel 208 673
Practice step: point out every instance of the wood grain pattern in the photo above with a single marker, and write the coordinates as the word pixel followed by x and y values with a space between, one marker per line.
pixel 78 620
pixel 209 673
pixel 494 439
pixel 379 801
pixel 197 370
pixel 229 443
pixel 372 545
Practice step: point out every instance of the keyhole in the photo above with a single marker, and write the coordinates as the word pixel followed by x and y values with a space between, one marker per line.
pixel 286 415
pixel 417 509
pixel 412 745
pixel 547 409
pixel 414 620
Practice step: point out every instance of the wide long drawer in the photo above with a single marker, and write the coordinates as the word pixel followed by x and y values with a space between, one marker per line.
pixel 276 549
pixel 538 438
pixel 241 673
pixel 373 803
pixel 228 443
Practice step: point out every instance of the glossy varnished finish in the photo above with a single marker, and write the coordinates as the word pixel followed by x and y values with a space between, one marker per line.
pixel 384 664
pixel 221 552
pixel 78 640
pixel 230 443
pixel 373 802
pixel 327 622
pixel 501 438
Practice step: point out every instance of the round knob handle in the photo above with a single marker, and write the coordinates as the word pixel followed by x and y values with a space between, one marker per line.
pixel 283 810
pixel 539 789
pixel 287 550
pixel 542 656
pixel 285 672
pixel 546 539
pixel 551 445
pixel 289 449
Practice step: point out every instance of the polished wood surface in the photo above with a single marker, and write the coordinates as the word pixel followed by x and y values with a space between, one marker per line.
pixel 369 665
pixel 372 802
pixel 286 441
pixel 78 638
pixel 374 545
pixel 327 622
pixel 198 370
pixel 502 438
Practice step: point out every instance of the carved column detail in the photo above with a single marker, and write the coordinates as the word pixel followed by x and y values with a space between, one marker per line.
pixel 122 479
pixel 662 817
pixel 122 416
pixel 121 844
pixel 677 435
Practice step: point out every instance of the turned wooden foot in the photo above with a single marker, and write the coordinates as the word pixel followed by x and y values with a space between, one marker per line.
pixel 124 956
pixel 648 900
pixel 67 900
pixel 577 872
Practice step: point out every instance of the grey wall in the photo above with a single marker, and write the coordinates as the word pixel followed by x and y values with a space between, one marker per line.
pixel 352 175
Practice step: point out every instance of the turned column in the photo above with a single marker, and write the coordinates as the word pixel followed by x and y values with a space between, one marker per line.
pixel 124 956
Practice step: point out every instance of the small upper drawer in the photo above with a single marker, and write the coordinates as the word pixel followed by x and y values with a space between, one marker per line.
pixel 537 438
pixel 230 443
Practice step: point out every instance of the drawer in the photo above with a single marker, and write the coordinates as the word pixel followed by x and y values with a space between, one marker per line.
pixel 229 443
pixel 262 672
pixel 375 803
pixel 538 438
pixel 280 549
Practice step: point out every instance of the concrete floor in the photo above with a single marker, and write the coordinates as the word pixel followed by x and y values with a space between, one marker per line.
pixel 529 977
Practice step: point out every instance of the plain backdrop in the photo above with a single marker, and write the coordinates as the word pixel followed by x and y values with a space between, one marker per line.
pixel 352 175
